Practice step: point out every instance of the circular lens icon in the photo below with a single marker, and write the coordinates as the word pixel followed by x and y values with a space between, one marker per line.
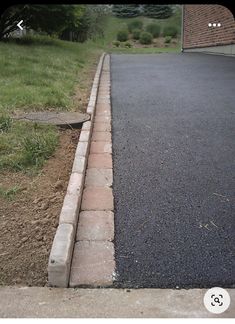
pixel 216 300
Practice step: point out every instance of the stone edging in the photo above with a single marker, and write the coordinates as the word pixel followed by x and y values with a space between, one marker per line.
pixel 61 252
pixel 93 261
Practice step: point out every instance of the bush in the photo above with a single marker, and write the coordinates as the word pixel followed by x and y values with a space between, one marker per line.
pixel 35 40
pixel 146 38
pixel 136 33
pixel 127 44
pixel 135 24
pixel 116 43
pixel 170 31
pixel 122 35
pixel 5 123
pixel 168 39
pixel 153 29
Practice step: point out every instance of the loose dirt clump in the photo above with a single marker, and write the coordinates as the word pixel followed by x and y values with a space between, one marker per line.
pixel 29 218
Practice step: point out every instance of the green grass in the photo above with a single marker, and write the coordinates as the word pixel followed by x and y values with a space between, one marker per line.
pixel 38 74
pixel 41 73
pixel 26 146
pixel 41 76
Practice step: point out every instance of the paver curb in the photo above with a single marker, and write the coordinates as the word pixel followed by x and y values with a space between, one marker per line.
pixel 61 252
pixel 93 261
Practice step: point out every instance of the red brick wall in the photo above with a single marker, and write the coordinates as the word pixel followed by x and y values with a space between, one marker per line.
pixel 196 32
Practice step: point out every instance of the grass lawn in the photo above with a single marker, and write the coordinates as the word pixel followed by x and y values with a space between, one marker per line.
pixel 41 75
pixel 49 74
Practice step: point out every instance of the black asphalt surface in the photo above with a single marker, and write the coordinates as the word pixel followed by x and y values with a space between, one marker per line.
pixel 173 150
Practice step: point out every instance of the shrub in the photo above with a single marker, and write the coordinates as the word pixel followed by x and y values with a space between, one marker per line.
pixel 168 39
pixel 5 123
pixel 136 33
pixel 127 44
pixel 135 24
pixel 35 40
pixel 153 29
pixel 122 35
pixel 170 31
pixel 116 43
pixel 146 38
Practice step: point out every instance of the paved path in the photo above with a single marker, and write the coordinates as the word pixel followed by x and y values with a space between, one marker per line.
pixel 173 154
pixel 63 303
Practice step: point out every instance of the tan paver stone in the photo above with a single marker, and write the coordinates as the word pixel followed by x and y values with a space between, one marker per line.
pixel 93 264
pixel 99 177
pixel 101 147
pixel 102 127
pixel 95 226
pixel 97 161
pixel 103 119
pixel 97 198
pixel 101 137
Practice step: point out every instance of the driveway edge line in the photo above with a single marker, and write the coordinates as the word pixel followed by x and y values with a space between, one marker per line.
pixel 62 248
pixel 93 262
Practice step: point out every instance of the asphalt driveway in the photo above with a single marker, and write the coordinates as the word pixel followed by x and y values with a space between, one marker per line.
pixel 173 153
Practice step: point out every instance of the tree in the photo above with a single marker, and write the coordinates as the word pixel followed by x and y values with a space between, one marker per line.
pixel 126 11
pixel 42 18
pixel 89 25
pixel 157 11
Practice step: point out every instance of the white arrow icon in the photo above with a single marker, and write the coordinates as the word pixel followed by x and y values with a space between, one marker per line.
pixel 19 25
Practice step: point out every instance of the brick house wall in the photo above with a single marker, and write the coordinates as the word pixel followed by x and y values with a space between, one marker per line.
pixel 196 32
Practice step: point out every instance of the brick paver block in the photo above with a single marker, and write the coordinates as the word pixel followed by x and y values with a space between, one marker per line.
pixel 101 137
pixel 93 264
pixel 99 178
pixel 84 136
pixel 97 198
pixel 86 126
pixel 82 149
pixel 103 119
pixel 102 127
pixel 95 226
pixel 103 113
pixel 100 161
pixel 60 256
pixel 79 164
pixel 72 200
pixel 101 147
pixel 102 106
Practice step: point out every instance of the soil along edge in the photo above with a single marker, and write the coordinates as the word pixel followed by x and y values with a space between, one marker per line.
pixel 61 252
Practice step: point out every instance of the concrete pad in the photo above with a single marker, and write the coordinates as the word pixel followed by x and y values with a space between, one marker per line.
pixel 64 119
pixel 19 302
